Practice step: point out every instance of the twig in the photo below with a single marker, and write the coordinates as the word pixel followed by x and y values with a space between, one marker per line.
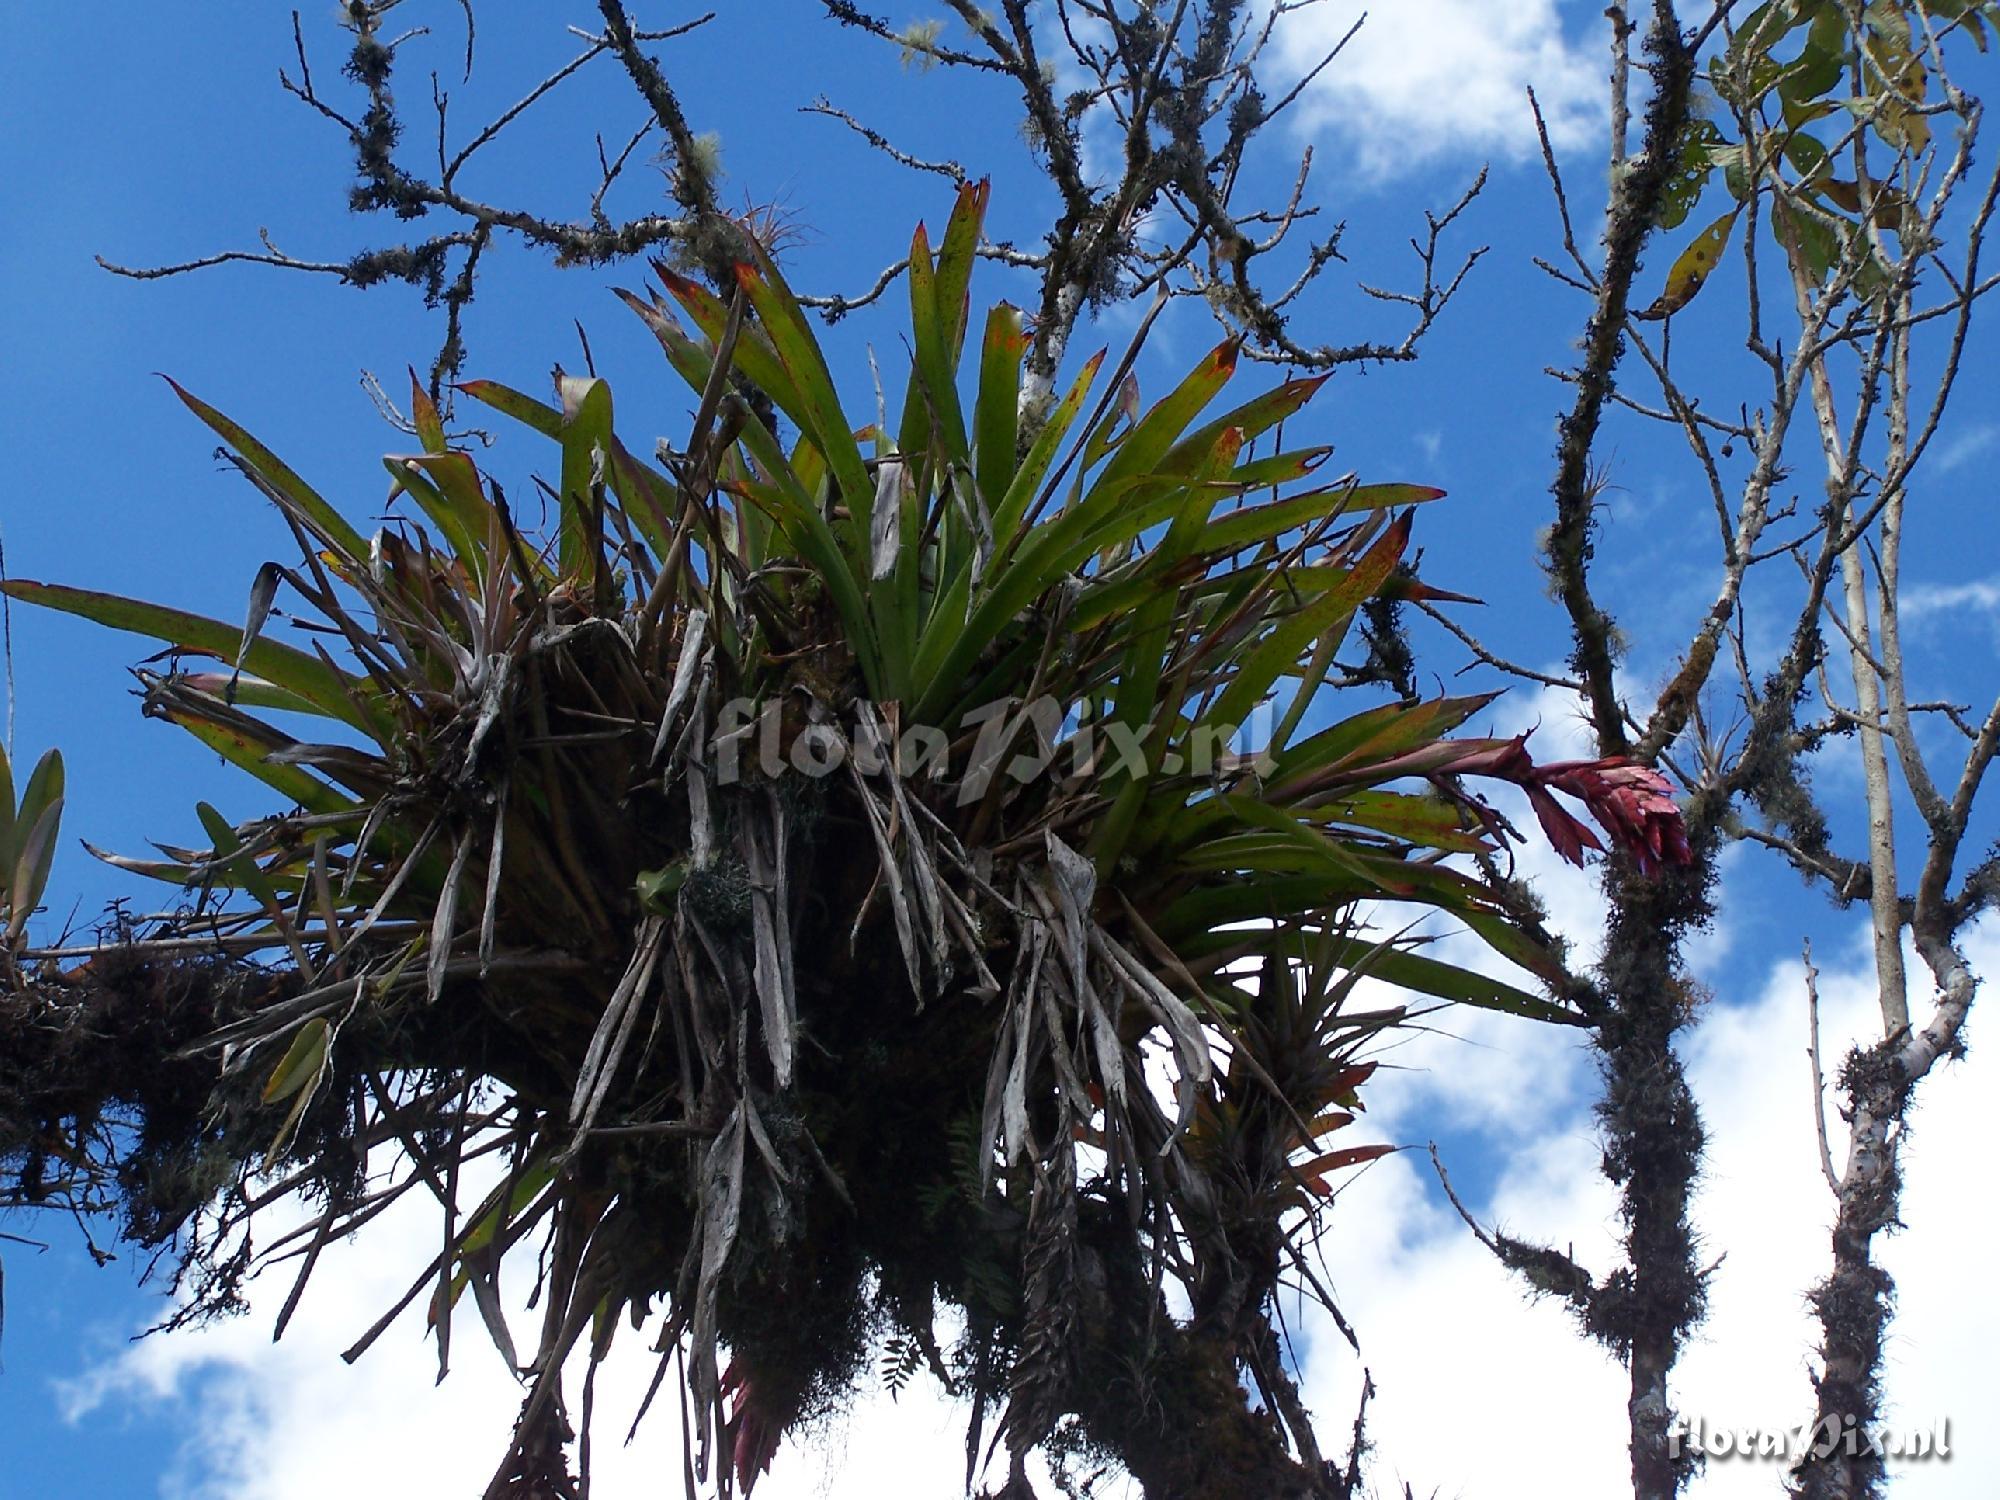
pixel 1562 198
pixel 1444 1181
pixel 947 168
pixel 1500 663
pixel 342 269
pixel 1818 1072
pixel 7 646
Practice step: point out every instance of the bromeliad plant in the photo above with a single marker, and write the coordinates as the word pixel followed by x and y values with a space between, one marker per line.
pixel 837 884
pixel 28 834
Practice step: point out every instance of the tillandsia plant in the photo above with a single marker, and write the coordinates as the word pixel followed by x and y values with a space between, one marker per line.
pixel 28 833
pixel 910 875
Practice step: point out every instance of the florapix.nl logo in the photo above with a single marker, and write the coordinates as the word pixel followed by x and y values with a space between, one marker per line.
pixel 1023 740
pixel 1825 1438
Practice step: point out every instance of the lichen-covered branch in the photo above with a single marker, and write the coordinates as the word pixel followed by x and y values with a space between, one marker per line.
pixel 1177 92
pixel 441 264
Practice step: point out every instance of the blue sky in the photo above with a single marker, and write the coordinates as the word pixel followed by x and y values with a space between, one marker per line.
pixel 161 134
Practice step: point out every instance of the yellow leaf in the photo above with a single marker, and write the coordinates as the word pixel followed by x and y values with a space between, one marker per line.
pixel 1691 270
pixel 302 1061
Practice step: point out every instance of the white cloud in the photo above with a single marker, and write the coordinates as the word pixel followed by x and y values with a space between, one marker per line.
pixel 1478 1392
pixel 1425 79
pixel 1765 1204
pixel 292 1422
pixel 1920 601
pixel 1943 615
pixel 1963 447
pixel 1481 1393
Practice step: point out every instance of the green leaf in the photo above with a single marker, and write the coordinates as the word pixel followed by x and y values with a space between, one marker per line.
pixel 1297 836
pixel 242 869
pixel 1431 822
pixel 945 625
pixel 545 419
pixel 30 874
pixel 1197 501
pixel 821 416
pixel 1027 481
pixel 1809 237
pixel 45 787
pixel 1329 613
pixel 1292 850
pixel 1373 736
pixel 455 502
pixel 586 451
pixel 321 518
pixel 1148 647
pixel 1692 169
pixel 237 744
pixel 1507 940
pixel 1046 554
pixel 1279 469
pixel 1806 154
pixel 504 1204
pixel 424 416
pixel 1763 28
pixel 1396 963
pixel 309 677
pixel 954 262
pixel 1253 418
pixel 936 368
pixel 1262 523
pixel 647 496
pixel 251 692
pixel 1146 502
pixel 658 888
pixel 813 540
pixel 1160 428
pixel 996 409
pixel 297 1077
pixel 303 1061
pixel 1443 981
pixel 754 356
pixel 1252 896
pixel 7 850
pixel 1821 64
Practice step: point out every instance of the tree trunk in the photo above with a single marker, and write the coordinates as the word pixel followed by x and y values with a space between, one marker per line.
pixel 1653 1146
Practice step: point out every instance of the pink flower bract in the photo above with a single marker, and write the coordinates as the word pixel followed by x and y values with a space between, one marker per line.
pixel 1632 803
